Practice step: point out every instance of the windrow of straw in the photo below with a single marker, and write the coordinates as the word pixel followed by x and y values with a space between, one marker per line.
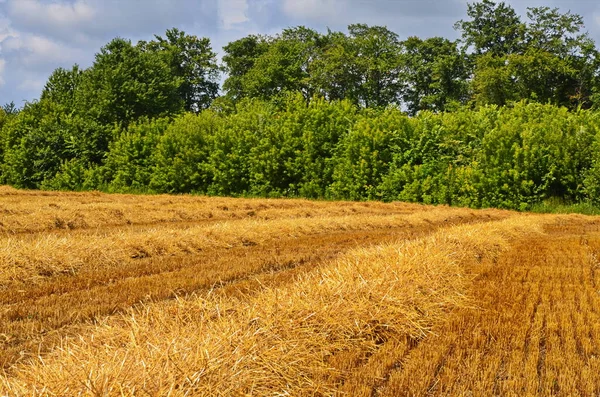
pixel 30 258
pixel 278 341
pixel 38 211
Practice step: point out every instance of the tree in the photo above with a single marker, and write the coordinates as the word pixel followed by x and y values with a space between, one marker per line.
pixel 283 65
pixel 556 64
pixel 493 82
pixel 192 60
pixel 126 83
pixel 553 32
pixel 333 73
pixel 10 108
pixel 376 60
pixel 493 28
pixel 240 57
pixel 62 87
pixel 434 73
pixel 575 55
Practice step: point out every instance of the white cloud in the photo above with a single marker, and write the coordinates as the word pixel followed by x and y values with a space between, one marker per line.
pixel 313 9
pixel 57 14
pixel 2 67
pixel 95 22
pixel 5 29
pixel 37 52
pixel 233 12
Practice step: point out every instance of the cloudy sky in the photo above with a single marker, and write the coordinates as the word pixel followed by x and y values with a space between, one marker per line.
pixel 37 36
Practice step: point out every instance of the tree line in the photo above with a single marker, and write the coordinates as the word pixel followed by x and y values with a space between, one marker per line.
pixel 502 117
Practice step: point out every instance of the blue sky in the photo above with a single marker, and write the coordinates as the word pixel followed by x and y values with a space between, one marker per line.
pixel 37 36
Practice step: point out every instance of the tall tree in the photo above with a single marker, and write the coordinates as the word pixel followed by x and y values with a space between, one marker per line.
pixel 62 87
pixel 556 64
pixel 10 108
pixel 492 28
pixel 127 82
pixel 434 73
pixel 192 60
pixel 240 57
pixel 333 73
pixel 376 61
pixel 549 30
pixel 268 70
pixel 562 37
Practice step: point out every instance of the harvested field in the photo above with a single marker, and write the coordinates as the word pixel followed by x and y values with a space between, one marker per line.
pixel 106 295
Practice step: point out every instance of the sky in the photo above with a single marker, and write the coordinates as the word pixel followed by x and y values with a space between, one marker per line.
pixel 38 36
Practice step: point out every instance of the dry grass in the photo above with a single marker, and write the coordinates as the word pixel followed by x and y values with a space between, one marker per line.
pixel 29 258
pixel 35 211
pixel 53 281
pixel 107 295
pixel 279 341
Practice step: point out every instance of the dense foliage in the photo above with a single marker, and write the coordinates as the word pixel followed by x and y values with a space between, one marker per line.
pixel 507 157
pixel 504 117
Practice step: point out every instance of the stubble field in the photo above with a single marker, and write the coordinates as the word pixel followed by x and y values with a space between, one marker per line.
pixel 111 295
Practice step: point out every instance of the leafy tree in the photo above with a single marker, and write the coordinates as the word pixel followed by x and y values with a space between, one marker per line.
pixel 88 140
pixel 36 142
pixel 130 161
pixel 434 72
pixel 576 57
pixel 192 60
pixel 240 57
pixel 126 83
pixel 376 60
pixel 230 154
pixel 364 154
pixel 10 108
pixel 493 28
pixel 62 87
pixel 322 126
pixel 181 157
pixel 362 66
pixel 493 82
pixel 284 66
pixel 553 32
pixel 557 64
pixel 333 73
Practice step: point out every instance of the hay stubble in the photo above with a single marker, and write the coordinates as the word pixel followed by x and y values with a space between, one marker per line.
pixel 284 297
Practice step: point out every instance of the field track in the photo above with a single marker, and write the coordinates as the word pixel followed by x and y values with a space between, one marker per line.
pixel 126 295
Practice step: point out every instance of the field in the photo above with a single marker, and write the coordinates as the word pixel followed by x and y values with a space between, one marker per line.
pixel 112 295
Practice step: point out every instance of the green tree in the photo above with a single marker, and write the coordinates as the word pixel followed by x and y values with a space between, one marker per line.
pixel 10 108
pixel 36 142
pixel 181 157
pixel 376 60
pixel 333 73
pixel 362 66
pixel 493 82
pixel 130 162
pixel 62 87
pixel 492 28
pixel 126 83
pixel 239 58
pixel 192 60
pixel 561 36
pixel 284 66
pixel 434 73
pixel 557 64
pixel 363 155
